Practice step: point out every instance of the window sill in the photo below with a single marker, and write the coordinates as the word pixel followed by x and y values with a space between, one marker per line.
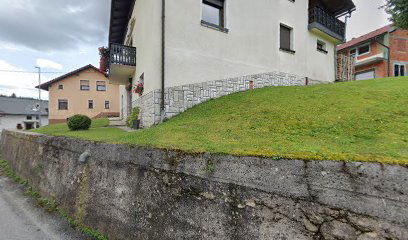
pixel 213 26
pixel 287 50
pixel 322 51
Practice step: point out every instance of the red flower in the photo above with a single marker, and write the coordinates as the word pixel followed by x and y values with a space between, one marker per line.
pixel 139 88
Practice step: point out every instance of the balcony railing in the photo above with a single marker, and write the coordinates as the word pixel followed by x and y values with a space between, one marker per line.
pixel 121 63
pixel 122 55
pixel 328 21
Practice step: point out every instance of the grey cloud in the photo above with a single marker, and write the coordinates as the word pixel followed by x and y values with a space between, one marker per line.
pixel 55 25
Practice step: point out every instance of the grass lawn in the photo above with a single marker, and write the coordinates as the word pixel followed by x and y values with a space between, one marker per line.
pixel 355 121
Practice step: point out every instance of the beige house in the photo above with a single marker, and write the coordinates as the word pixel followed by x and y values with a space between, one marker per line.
pixel 83 91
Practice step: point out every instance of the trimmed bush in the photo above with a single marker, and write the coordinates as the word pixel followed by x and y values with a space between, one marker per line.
pixel 79 122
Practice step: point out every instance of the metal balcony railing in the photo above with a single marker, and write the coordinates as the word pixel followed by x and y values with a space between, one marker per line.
pixel 122 55
pixel 318 15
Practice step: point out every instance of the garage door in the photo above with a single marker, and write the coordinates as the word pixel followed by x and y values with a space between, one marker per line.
pixel 365 75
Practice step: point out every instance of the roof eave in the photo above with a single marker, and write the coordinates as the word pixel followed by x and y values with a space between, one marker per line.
pixel 126 13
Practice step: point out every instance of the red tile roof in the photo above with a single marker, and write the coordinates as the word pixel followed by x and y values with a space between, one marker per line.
pixel 365 37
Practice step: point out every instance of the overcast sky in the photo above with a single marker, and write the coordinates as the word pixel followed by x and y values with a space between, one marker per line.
pixel 62 35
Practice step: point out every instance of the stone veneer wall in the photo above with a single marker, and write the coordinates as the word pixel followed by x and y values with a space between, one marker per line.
pixel 145 193
pixel 180 98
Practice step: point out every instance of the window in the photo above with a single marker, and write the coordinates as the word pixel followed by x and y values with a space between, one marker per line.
pixel 399 70
pixel 90 104
pixel 46 109
pixel 107 105
pixel 62 104
pixel 213 12
pixel 29 117
pixel 365 49
pixel 353 52
pixel 37 117
pixel 85 85
pixel 60 87
pixel 321 46
pixel 286 38
pixel 100 86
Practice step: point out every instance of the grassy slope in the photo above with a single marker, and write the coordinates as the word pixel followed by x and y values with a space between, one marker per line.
pixel 361 121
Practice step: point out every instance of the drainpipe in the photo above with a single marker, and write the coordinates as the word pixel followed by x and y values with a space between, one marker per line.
pixel 388 56
pixel 163 55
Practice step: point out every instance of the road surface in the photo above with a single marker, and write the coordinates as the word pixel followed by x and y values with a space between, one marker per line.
pixel 21 219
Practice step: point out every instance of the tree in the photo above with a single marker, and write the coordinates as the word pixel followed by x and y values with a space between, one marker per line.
pixel 13 95
pixel 398 9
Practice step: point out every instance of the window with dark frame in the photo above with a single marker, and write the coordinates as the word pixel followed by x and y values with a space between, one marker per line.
pixel 321 46
pixel 286 38
pixel 62 104
pixel 60 87
pixel 107 105
pixel 85 85
pixel 213 12
pixel 29 117
pixel 100 86
pixel 90 104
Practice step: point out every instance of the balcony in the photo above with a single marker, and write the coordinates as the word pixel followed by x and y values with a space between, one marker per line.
pixel 122 63
pixel 322 22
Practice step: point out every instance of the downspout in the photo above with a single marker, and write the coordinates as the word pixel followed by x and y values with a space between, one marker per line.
pixel 388 56
pixel 163 55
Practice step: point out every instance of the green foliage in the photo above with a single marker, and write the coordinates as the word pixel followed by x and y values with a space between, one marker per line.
pixel 210 166
pixel 134 116
pixel 47 204
pixel 398 9
pixel 353 121
pixel 79 122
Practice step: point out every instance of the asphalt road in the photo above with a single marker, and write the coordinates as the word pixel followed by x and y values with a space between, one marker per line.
pixel 21 219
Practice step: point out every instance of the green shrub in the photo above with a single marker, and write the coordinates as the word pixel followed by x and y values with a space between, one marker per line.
pixel 133 116
pixel 79 122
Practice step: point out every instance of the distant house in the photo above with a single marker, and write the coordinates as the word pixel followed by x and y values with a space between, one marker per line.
pixel 22 113
pixel 184 52
pixel 373 59
pixel 83 91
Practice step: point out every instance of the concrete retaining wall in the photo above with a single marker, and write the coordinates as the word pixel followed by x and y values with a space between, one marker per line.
pixel 140 193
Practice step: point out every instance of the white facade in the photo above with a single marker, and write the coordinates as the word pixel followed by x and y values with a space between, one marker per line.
pixel 247 45
pixel 195 53
pixel 10 122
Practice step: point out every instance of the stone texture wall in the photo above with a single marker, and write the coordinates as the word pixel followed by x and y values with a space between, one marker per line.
pixel 180 98
pixel 141 193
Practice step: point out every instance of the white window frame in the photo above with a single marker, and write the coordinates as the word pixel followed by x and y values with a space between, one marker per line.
pixel 400 64
pixel 360 46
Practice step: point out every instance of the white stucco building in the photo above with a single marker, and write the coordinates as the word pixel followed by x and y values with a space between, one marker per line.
pixel 187 51
pixel 21 113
